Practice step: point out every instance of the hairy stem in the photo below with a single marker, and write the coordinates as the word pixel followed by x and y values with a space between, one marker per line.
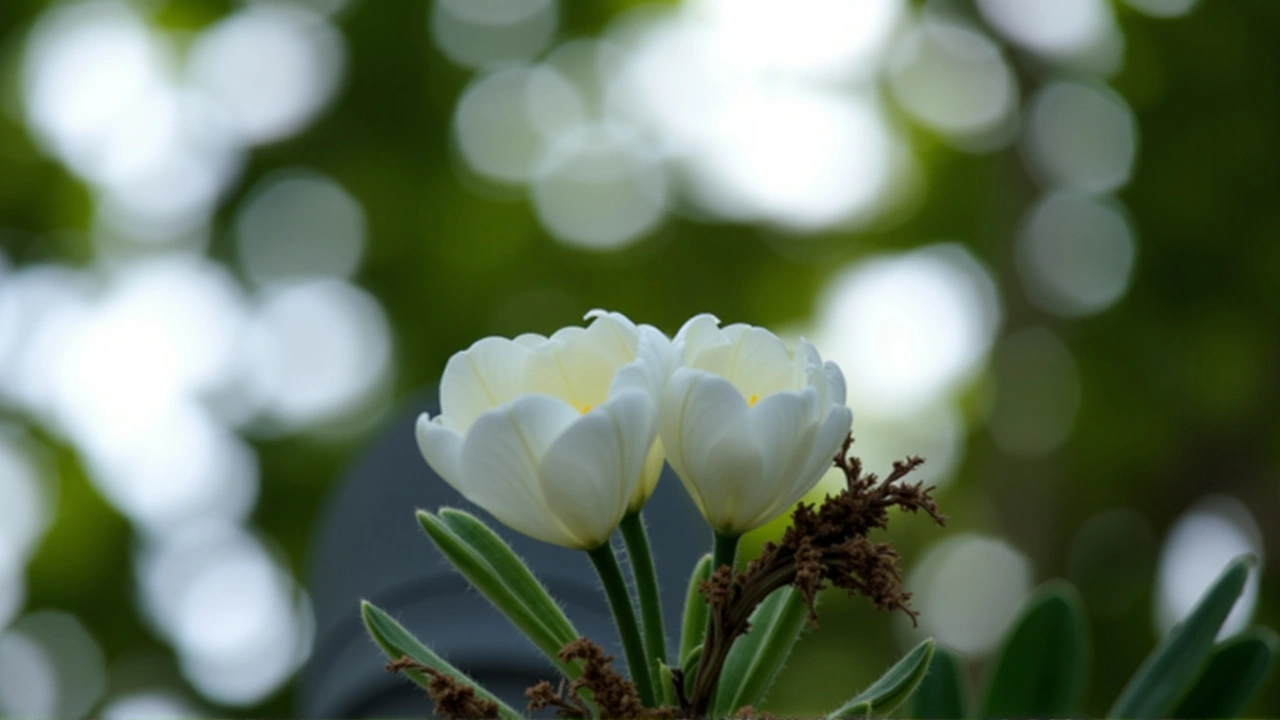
pixel 624 617
pixel 646 580
pixel 716 643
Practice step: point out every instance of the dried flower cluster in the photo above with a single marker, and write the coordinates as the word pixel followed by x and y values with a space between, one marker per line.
pixel 452 698
pixel 824 545
pixel 615 695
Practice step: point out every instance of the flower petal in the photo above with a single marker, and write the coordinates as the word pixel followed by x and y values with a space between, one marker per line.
pixel 500 459
pixel 575 371
pixel 699 332
pixel 614 335
pixel 709 444
pixel 480 378
pixel 652 367
pixel 784 425
pixel 591 471
pixel 835 383
pixel 441 448
pixel 826 443
pixel 649 476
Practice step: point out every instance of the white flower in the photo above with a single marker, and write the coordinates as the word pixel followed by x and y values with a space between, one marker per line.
pixel 555 437
pixel 748 425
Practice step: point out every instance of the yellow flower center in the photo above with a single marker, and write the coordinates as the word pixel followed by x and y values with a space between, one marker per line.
pixel 584 409
pixel 752 402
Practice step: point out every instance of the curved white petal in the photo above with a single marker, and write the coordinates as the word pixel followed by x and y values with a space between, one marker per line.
pixel 652 367
pixel 501 456
pixel 752 358
pixel 784 425
pixel 732 484
pixel 649 476
pixel 441 448
pixel 699 332
pixel 835 383
pixel 826 443
pixel 614 335
pixel 480 378
pixel 530 340
pixel 590 473
pixel 704 429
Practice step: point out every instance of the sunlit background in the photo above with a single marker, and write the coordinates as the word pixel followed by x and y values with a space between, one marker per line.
pixel 1040 236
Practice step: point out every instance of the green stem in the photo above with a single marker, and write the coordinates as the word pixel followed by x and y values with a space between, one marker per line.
pixel 624 617
pixel 726 550
pixel 646 579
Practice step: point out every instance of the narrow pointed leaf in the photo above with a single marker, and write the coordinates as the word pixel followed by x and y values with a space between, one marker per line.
pixel 526 611
pixel 941 695
pixel 1169 671
pixel 666 685
pixel 694 627
pixel 892 689
pixel 1236 671
pixel 755 658
pixel 1044 661
pixel 397 642
pixel 508 566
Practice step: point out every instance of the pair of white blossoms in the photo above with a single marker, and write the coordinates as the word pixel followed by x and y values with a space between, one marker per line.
pixel 559 438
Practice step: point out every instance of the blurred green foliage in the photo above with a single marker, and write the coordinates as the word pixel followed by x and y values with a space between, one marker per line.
pixel 1180 381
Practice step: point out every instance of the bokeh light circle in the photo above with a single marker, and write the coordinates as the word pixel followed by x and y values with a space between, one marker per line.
pixel 1075 254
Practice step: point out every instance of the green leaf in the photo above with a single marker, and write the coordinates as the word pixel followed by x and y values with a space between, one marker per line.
pixel 493 569
pixel 1042 667
pixel 893 687
pixel 694 628
pixel 508 566
pixel 941 694
pixel 397 642
pixel 1235 672
pixel 1168 672
pixel 689 667
pixel 666 684
pixel 756 657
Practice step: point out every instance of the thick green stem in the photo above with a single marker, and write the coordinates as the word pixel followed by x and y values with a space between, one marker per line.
pixel 624 617
pixel 726 550
pixel 646 580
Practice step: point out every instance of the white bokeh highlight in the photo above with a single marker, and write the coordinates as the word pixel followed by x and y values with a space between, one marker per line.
pixel 316 352
pixel 50 666
pixel 27 499
pixel 1050 27
pixel 1080 136
pixel 1199 546
pixel 271 68
pixel 955 81
pixel 968 589
pixel 299 224
pixel 598 187
pixel 482 33
pixel 908 329
pixel 1075 254
pixel 238 622
pixel 505 120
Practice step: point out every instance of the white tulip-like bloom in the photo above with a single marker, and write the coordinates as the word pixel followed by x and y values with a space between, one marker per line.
pixel 748 425
pixel 555 437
